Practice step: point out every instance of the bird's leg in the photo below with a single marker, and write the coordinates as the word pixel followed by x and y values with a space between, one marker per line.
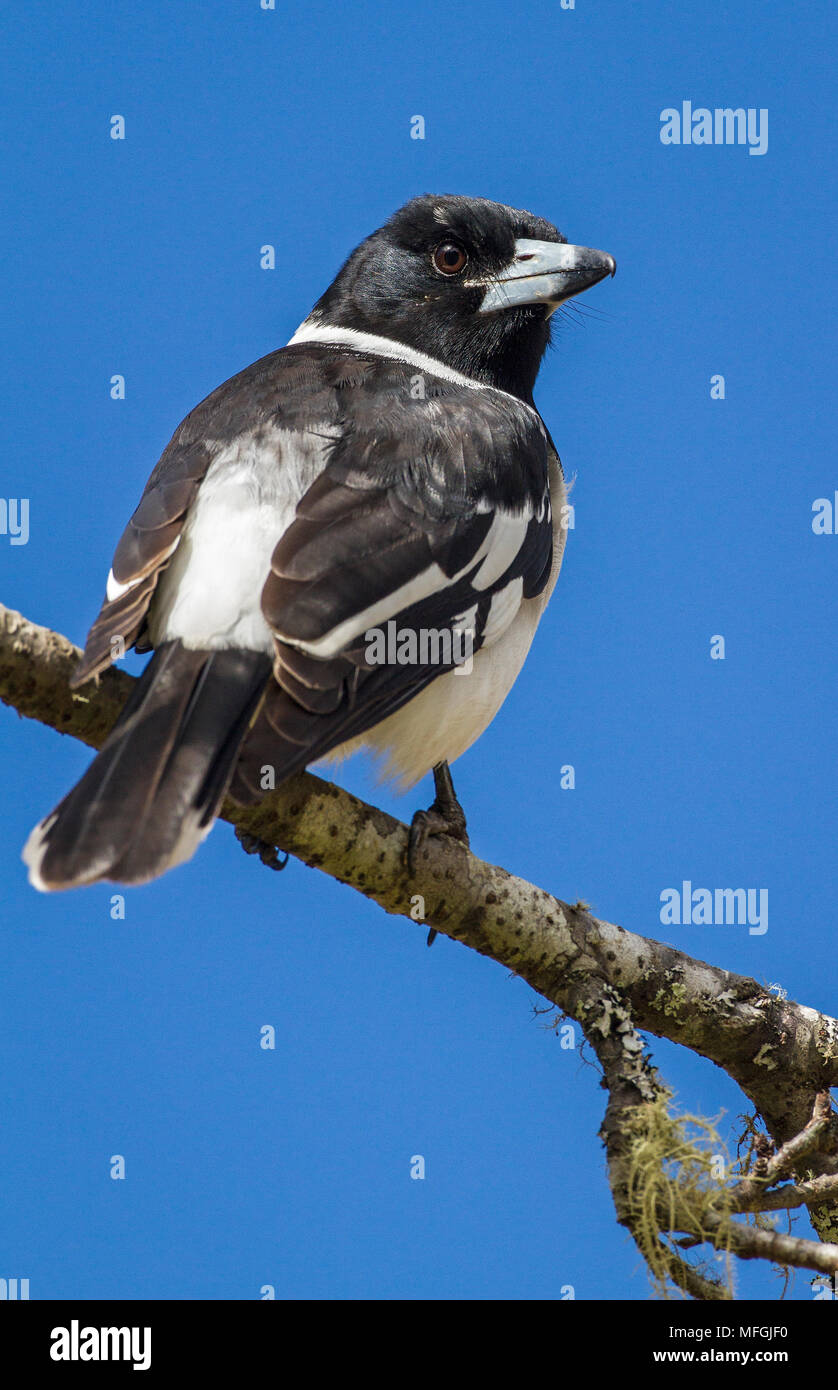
pixel 269 854
pixel 444 817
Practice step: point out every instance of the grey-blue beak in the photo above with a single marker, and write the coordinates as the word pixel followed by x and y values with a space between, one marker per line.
pixel 546 272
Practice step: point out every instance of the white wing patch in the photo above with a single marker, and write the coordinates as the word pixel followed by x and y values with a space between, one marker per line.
pixel 431 581
pixel 504 540
pixel 504 606
pixel 114 589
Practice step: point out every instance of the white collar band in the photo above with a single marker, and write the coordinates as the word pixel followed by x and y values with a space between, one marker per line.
pixel 312 332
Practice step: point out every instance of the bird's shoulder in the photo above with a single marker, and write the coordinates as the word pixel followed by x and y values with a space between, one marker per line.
pixel 362 395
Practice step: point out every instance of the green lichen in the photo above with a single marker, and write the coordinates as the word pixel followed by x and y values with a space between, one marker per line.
pixel 670 999
pixel 672 1186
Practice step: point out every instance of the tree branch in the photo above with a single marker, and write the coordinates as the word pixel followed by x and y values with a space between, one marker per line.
pixel 782 1054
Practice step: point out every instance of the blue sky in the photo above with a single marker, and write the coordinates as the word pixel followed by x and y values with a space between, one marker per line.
pixel 290 1167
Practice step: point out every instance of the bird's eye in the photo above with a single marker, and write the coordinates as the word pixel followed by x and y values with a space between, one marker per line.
pixel 449 258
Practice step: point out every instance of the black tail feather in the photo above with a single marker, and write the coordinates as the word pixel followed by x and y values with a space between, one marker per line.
pixel 153 791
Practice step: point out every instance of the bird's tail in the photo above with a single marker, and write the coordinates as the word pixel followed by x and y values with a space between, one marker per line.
pixel 152 793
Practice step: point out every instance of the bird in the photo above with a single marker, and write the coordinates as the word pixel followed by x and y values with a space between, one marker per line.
pixel 384 476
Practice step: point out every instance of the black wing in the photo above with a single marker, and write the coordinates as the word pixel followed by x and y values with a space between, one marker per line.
pixel 431 519
pixel 432 512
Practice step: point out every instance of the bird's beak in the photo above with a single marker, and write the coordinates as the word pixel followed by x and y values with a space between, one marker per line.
pixel 546 272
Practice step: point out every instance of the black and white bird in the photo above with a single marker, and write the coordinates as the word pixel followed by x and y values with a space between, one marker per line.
pixel 387 465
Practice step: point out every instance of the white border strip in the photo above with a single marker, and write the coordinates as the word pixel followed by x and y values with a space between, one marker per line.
pixel 309 332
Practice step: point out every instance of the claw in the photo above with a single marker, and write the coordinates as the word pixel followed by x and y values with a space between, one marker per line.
pixel 269 854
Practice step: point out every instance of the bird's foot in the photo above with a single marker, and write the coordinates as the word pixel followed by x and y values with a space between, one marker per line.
pixel 444 817
pixel 269 854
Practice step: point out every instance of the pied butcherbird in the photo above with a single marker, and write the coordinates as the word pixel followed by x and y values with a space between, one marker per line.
pixel 387 467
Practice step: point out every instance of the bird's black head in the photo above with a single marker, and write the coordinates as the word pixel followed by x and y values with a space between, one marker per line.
pixel 464 280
